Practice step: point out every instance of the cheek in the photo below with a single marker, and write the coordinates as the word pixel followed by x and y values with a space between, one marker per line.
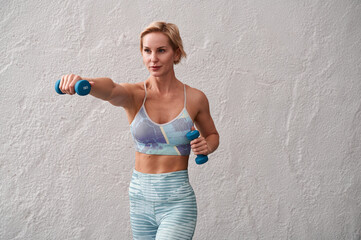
pixel 145 59
pixel 170 58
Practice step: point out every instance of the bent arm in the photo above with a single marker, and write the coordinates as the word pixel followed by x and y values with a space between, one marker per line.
pixel 205 124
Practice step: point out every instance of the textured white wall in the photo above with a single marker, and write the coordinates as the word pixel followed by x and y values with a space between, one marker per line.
pixel 283 81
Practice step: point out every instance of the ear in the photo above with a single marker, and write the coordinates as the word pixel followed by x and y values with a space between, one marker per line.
pixel 177 55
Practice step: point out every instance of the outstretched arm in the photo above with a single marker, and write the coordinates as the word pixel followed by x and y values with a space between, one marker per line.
pixel 103 88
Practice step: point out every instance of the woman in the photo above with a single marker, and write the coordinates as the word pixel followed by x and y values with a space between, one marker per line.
pixel 160 111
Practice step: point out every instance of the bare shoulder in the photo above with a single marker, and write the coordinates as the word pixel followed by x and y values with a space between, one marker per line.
pixel 197 102
pixel 132 87
pixel 196 96
pixel 137 91
pixel 127 95
pixel 200 111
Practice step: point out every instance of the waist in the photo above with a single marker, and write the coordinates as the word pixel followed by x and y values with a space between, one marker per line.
pixel 161 176
pixel 164 187
pixel 154 164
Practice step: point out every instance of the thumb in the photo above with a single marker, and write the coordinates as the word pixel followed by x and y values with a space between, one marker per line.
pixel 193 128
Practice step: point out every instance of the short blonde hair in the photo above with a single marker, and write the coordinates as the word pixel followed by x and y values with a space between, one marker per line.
pixel 171 31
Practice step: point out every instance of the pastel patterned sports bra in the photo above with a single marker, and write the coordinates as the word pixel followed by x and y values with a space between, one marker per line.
pixel 161 139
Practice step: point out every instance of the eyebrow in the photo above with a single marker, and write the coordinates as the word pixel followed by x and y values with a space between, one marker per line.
pixel 157 48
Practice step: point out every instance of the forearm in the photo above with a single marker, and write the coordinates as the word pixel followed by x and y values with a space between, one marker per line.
pixel 101 87
pixel 212 142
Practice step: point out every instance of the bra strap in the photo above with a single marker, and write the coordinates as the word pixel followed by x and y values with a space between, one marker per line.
pixel 145 93
pixel 185 96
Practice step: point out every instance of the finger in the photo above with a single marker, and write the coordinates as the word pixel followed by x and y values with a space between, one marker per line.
pixel 200 153
pixel 200 148
pixel 193 128
pixel 72 83
pixel 61 83
pixel 197 140
pixel 67 88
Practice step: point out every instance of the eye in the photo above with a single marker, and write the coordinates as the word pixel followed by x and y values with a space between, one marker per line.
pixel 146 50
pixel 161 50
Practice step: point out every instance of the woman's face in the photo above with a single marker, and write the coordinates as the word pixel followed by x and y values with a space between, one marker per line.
pixel 158 55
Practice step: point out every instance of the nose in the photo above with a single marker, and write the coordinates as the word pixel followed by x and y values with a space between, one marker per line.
pixel 154 57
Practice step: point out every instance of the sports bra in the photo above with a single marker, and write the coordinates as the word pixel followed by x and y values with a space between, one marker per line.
pixel 161 139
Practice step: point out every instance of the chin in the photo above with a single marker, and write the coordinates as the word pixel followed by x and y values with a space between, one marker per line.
pixel 156 74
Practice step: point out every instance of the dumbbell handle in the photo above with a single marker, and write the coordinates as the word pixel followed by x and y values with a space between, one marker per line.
pixel 200 159
pixel 82 87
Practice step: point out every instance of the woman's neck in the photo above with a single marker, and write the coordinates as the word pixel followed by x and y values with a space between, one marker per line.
pixel 164 84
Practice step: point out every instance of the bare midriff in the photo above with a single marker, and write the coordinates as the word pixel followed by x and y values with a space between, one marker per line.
pixel 154 164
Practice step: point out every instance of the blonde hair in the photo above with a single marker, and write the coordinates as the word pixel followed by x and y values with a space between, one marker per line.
pixel 171 31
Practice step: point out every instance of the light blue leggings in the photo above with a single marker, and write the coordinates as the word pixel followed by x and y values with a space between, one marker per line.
pixel 162 206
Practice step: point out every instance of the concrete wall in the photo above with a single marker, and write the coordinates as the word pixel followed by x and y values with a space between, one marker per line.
pixel 283 81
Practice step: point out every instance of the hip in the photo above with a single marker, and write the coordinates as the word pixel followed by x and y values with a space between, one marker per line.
pixel 162 187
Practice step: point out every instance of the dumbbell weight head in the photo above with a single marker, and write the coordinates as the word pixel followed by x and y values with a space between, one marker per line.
pixel 192 135
pixel 200 159
pixel 82 87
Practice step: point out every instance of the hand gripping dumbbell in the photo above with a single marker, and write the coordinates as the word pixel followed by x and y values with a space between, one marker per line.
pixel 200 159
pixel 82 87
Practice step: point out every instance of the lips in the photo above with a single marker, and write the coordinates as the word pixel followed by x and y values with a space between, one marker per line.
pixel 154 67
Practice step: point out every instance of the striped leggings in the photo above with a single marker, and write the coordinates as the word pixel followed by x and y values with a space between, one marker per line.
pixel 162 206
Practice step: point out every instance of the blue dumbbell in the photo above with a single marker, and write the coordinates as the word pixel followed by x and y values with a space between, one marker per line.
pixel 82 87
pixel 200 159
